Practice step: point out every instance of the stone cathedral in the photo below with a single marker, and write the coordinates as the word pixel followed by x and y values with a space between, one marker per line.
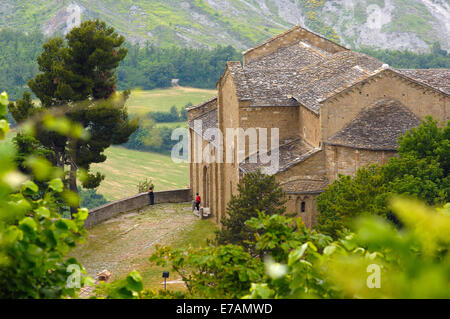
pixel 336 110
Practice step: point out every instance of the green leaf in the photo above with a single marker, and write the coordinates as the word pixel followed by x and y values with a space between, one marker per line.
pixel 58 125
pixel 34 250
pixel 88 281
pixel 297 254
pixel 29 186
pixel 261 291
pixel 12 234
pixel 56 185
pixel 134 281
pixel 82 214
pixel 28 225
pixel 4 98
pixel 71 198
pixel 329 250
pixel 61 225
pixel 4 129
pixel 70 224
pixel 41 167
pixel 43 212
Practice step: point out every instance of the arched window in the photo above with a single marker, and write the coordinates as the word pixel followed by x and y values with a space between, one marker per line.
pixel 303 207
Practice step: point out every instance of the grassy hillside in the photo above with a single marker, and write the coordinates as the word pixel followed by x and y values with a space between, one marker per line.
pixel 124 169
pixel 162 22
pixel 142 102
pixel 413 24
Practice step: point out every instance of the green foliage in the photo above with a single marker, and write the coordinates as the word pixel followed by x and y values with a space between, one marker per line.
pixel 291 251
pixel 152 138
pixel 350 196
pixel 256 192
pixel 294 262
pixel 18 54
pixel 129 288
pixel 34 238
pixel 145 185
pixel 4 126
pixel 428 141
pixel 27 145
pixel 278 235
pixel 212 272
pixel 411 60
pixel 153 67
pixel 148 67
pixel 82 67
pixel 90 199
pixel 167 117
pixel 421 171
pixel 413 263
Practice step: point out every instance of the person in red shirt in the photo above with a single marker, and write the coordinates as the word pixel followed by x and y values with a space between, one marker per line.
pixel 198 200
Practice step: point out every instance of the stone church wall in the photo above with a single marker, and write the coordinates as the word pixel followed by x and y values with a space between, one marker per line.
pixel 337 112
pixel 347 161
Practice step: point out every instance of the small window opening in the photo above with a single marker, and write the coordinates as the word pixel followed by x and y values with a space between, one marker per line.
pixel 303 209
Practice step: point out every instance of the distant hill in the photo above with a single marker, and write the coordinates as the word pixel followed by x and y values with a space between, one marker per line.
pixel 393 24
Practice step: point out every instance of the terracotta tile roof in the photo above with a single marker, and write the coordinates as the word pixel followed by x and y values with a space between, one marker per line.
pixel 304 186
pixel 437 78
pixel 290 153
pixel 378 127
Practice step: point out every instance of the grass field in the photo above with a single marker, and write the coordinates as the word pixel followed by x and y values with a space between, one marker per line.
pixel 141 102
pixel 124 169
pixel 172 125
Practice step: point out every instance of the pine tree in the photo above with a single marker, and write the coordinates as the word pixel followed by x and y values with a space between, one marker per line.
pixel 78 76
pixel 256 192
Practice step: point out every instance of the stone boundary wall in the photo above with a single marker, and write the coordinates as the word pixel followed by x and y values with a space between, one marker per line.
pixel 110 210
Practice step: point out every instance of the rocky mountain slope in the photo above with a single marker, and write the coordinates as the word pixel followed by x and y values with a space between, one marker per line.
pixel 393 24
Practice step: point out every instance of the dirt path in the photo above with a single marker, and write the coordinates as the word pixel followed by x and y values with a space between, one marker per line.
pixel 125 243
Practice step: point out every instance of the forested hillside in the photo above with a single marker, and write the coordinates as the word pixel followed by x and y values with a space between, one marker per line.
pixel 153 67
pixel 150 67
pixel 18 54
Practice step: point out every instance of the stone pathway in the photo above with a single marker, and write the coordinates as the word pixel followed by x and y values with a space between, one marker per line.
pixel 125 243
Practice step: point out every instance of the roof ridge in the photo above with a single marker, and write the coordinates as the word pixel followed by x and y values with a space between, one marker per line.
pixel 214 109
pixel 295 27
pixel 193 107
